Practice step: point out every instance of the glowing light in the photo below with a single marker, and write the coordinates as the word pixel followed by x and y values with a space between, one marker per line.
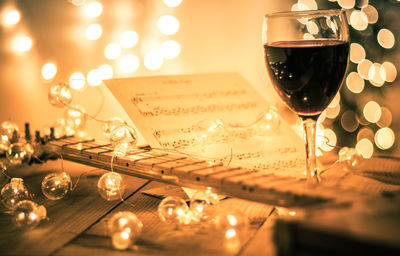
pixel 112 51
pixel 390 70
pixel 230 233
pixel 49 70
pixel 129 63
pixel 363 68
pixel 11 17
pixel 372 14
pixel 386 38
pixel 365 133
pixel 347 4
pixel 308 36
pixel 384 138
pixel 357 53
pixel 22 44
pixel 377 75
pixel 386 118
pixel 168 24
pixel 94 31
pixel 129 39
pixel 335 101
pixel 311 4
pixel 106 71
pixel 329 140
pixel 349 121
pixel 312 27
pixel 172 3
pixel 365 148
pixel 77 2
pixel 332 112
pixel 355 83
pixel 94 77
pixel 359 20
pixel 372 111
pixel 94 9
pixel 77 81
pixel 300 7
pixel 170 49
pixel 153 60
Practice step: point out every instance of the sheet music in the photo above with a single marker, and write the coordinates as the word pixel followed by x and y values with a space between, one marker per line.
pixel 172 111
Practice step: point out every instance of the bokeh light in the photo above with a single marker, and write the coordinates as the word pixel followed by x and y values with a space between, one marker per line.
pixel 371 12
pixel 49 70
pixel 94 77
pixel 312 27
pixel 390 70
pixel 106 71
pixel 377 75
pixel 94 9
pixel 357 53
pixel 365 147
pixel 77 81
pixel 386 118
pixel 311 4
pixel 170 49
pixel 172 3
pixel 94 31
pixel 153 60
pixel 358 20
pixel 129 63
pixel 347 4
pixel 386 38
pixel 384 138
pixel 129 39
pixel 349 121
pixel 112 51
pixel 355 83
pixel 330 140
pixel 363 68
pixel 365 133
pixel 372 111
pixel 11 17
pixel 77 2
pixel 168 24
pixel 22 44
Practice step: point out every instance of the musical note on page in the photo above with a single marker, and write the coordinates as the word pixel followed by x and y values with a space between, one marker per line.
pixel 167 110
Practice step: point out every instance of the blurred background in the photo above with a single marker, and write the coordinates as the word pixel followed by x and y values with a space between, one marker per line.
pixel 45 42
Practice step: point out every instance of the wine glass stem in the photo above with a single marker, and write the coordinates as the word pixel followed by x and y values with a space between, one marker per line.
pixel 310 128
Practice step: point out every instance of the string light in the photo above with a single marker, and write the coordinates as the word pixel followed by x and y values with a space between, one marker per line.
pixel 110 125
pixel 172 210
pixel 49 71
pixel 7 129
pixel 168 24
pixel 19 153
pixel 94 31
pixel 22 44
pixel 13 192
pixel 111 186
pixel 59 95
pixel 204 204
pixel 384 138
pixel 55 186
pixel 124 227
pixel 365 147
pixel 172 3
pixel 77 81
pixel 27 214
pixel 11 17
pixel 94 77
pixel 94 9
pixel 75 118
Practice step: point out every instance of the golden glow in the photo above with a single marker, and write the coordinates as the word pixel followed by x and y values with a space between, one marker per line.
pixel 112 51
pixel 365 148
pixel 365 133
pixel 308 36
pixel 312 27
pixel 347 4
pixel 371 13
pixel 390 70
pixel 386 118
pixel 372 111
pixel 300 7
pixel 94 77
pixel 230 233
pixel 153 60
pixel 363 68
pixel 328 141
pixel 106 72
pixel 357 53
pixel 332 112
pixel 377 75
pixel 94 31
pixel 384 138
pixel 349 121
pixel 129 39
pixel 22 44
pixel 49 70
pixel 172 3
pixel 170 49
pixel 94 9
pixel 129 63
pixel 311 4
pixel 77 2
pixel 11 17
pixel 168 24
pixel 359 20
pixel 355 83
pixel 77 81
pixel 232 220
pixel 386 38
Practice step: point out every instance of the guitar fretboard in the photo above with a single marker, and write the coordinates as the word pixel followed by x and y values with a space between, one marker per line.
pixel 183 170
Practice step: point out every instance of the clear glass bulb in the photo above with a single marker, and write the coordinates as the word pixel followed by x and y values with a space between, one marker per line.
pixel 173 210
pixel 111 124
pixel 56 185
pixel 27 214
pixel 19 153
pixel 124 227
pixel 203 204
pixel 123 134
pixel 7 129
pixel 350 157
pixel 270 122
pixel 13 192
pixel 75 118
pixel 60 95
pixel 4 143
pixel 110 186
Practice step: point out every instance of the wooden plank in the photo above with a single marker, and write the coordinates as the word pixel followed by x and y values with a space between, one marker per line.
pixel 158 238
pixel 68 217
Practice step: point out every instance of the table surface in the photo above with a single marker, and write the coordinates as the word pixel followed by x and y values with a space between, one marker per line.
pixel 77 224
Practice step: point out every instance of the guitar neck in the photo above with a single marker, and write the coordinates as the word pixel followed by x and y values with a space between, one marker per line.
pixel 183 170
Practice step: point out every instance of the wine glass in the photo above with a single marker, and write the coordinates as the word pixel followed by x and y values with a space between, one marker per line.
pixel 306 55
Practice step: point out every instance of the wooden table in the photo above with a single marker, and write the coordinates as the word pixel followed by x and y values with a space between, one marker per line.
pixel 77 223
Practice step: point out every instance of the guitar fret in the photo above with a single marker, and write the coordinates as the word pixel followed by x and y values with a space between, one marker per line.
pixel 96 146
pixel 76 142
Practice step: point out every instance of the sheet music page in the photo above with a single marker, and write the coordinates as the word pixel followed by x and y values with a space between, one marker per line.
pixel 211 116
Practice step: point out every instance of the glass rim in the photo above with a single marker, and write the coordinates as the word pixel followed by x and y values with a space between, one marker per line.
pixel 305 14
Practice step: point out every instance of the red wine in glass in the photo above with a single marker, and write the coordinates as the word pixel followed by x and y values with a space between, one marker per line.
pixel 307 74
